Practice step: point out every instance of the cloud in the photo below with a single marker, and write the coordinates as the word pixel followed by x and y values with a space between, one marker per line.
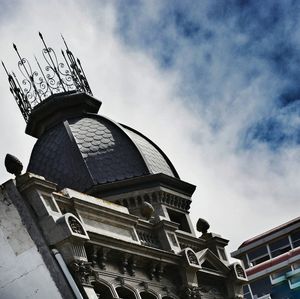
pixel 213 84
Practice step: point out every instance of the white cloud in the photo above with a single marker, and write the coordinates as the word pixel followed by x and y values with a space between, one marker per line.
pixel 239 193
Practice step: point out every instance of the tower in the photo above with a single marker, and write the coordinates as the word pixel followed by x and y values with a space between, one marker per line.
pixel 111 208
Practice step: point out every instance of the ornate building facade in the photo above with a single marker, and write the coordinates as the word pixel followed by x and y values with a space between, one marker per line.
pixel 101 211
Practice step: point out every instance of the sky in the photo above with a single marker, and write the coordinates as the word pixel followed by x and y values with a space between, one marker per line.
pixel 214 83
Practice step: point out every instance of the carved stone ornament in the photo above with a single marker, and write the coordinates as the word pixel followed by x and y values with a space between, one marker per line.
pixel 102 258
pixel 151 271
pixel 240 271
pixel 166 289
pixel 191 293
pixel 209 290
pixel 120 280
pixel 132 266
pixel 82 270
pixel 123 264
pixel 76 226
pixel 145 285
pixel 192 258
pixel 159 272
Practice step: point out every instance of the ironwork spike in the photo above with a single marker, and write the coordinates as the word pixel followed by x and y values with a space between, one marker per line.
pixel 5 68
pixel 64 41
pixel 54 67
pixel 15 77
pixel 15 47
pixel 42 38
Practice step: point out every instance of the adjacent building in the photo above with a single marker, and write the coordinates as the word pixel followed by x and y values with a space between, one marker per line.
pixel 272 262
pixel 101 211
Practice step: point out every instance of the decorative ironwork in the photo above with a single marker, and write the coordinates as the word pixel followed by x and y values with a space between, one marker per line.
pixel 76 226
pixel 52 78
pixel 192 258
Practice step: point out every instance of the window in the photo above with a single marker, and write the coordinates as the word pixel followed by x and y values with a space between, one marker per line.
pixel 261 286
pixel 247 292
pixel 102 290
pixel 279 275
pixel 295 236
pixel 49 203
pixel 294 282
pixel 124 293
pixel 179 218
pixel 258 255
pixel 147 295
pixel 280 246
pixel 296 265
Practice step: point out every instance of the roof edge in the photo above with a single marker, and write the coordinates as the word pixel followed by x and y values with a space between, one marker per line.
pixel 141 182
pixel 175 173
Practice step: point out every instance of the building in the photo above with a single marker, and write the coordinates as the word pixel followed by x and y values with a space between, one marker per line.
pixel 101 211
pixel 272 262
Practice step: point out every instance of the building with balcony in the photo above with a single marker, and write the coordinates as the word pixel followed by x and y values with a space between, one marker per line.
pixel 272 262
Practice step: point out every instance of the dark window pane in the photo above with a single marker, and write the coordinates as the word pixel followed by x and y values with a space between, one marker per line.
pixel 258 255
pixel 280 246
pixel 246 291
pixel 261 286
pixel 280 272
pixel 260 260
pixel 295 236
pixel 179 218
pixel 257 252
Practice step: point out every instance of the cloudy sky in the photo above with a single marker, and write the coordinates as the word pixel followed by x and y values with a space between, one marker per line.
pixel 214 83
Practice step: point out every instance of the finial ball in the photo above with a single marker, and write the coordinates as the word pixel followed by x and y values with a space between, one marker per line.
pixel 147 210
pixel 13 165
pixel 202 226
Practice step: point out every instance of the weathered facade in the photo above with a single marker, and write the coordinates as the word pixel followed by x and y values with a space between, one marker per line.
pixel 102 202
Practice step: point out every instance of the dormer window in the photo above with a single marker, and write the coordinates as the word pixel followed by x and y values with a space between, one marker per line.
pixel 179 218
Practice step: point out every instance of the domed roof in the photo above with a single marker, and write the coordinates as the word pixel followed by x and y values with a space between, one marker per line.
pixel 85 151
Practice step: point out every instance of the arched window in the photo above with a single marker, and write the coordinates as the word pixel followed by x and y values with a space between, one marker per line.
pixel 147 295
pixel 125 293
pixel 102 290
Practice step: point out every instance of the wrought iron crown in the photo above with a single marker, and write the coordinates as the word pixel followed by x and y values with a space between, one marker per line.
pixel 52 78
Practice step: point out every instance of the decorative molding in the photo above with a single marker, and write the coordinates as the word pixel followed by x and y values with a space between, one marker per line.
pixel 191 293
pixel 123 264
pixel 132 266
pixel 145 285
pixel 82 270
pixel 121 280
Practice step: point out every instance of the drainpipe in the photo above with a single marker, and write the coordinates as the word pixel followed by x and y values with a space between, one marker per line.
pixel 67 274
